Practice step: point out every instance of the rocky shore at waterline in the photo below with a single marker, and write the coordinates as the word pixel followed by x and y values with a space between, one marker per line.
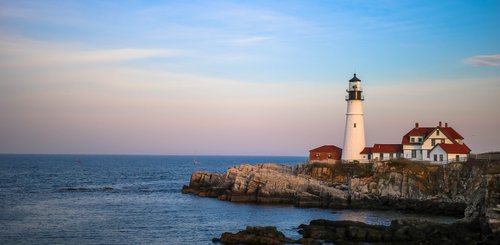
pixel 469 190
pixel 352 232
pixel 396 185
pixel 267 184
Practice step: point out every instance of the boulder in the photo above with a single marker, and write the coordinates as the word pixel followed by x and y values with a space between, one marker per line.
pixel 255 235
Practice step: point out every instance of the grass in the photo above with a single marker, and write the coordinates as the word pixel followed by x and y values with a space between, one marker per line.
pixel 345 169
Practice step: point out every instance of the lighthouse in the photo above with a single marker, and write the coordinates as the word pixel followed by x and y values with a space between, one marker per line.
pixel 354 134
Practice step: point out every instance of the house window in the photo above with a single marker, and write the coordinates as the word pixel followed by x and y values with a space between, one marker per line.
pixel 442 141
pixel 433 142
pixel 437 132
pixel 440 157
pixel 457 158
pixel 354 124
pixel 369 156
pixel 413 153
pixel 381 156
pixel 329 155
pixel 317 155
pixel 412 139
pixel 435 157
pixel 419 139
pixel 428 154
pixel 392 155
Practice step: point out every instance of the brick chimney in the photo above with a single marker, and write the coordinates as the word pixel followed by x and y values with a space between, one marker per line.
pixel 445 124
pixel 416 125
pixel 439 123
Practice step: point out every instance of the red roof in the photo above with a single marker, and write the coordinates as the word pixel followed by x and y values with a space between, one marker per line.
pixel 425 131
pixel 450 132
pixel 366 150
pixel 454 148
pixel 387 148
pixel 326 148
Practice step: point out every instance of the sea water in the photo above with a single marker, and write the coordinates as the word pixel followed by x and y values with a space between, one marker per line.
pixel 86 199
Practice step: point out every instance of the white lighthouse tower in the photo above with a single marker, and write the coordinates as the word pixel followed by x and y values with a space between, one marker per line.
pixel 354 134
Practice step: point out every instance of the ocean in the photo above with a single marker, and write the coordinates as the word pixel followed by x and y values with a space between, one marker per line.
pixel 123 199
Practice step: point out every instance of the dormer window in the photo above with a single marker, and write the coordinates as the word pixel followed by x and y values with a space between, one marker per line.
pixel 412 139
pixel 420 140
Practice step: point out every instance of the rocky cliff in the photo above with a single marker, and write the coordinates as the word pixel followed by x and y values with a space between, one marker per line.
pixel 469 189
pixel 403 185
pixel 268 183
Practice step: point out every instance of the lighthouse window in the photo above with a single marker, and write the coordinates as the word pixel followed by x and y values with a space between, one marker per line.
pixel 354 124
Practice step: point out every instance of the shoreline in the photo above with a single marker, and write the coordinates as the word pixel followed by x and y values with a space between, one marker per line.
pixel 469 191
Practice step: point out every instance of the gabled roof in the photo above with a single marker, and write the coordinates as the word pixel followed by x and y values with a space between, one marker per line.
pixel 387 148
pixel 451 133
pixel 424 131
pixel 454 148
pixel 326 148
pixel 366 150
pixel 383 148
pixel 427 131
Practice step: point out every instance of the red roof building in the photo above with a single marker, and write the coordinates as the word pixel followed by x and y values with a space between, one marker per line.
pixel 454 148
pixel 326 153
pixel 445 153
pixel 420 141
pixel 417 132
pixel 382 152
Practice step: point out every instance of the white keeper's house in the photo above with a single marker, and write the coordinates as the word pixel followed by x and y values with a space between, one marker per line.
pixel 434 144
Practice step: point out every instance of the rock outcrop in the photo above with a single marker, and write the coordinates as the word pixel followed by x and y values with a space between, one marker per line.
pixel 416 187
pixel 402 185
pixel 266 235
pixel 269 184
pixel 400 231
pixel 449 189
pixel 484 207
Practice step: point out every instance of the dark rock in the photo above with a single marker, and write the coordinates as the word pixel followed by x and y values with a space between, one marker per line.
pixel 407 231
pixel 255 235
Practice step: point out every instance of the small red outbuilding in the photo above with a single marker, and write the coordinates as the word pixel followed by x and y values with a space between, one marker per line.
pixel 325 153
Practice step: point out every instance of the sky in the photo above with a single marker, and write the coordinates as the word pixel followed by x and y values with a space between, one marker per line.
pixel 242 77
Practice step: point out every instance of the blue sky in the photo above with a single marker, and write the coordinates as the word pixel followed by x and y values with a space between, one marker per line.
pixel 241 77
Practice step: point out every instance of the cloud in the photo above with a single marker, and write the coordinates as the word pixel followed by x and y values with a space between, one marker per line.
pixel 484 60
pixel 28 52
pixel 250 40
pixel 112 55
